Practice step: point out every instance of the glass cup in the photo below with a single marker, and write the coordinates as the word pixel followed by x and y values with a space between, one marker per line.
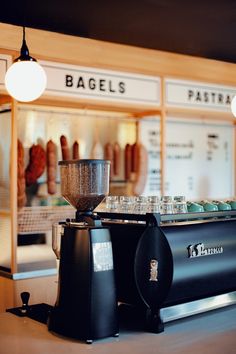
pixel 166 205
pixel 180 205
pixel 153 204
pixel 140 205
pixel 126 204
pixel 112 203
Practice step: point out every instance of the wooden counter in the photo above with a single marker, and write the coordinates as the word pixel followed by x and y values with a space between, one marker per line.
pixel 213 332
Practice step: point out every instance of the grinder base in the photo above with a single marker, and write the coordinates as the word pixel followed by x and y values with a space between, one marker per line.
pixel 86 307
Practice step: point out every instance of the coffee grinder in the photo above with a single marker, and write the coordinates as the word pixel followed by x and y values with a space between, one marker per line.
pixel 86 306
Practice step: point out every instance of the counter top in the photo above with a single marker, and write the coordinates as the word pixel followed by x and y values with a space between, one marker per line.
pixel 213 332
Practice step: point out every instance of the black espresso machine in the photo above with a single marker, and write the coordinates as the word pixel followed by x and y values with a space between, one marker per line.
pixel 171 266
pixel 86 305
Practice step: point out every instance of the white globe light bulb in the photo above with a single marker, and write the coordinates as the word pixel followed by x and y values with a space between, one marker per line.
pixel 233 106
pixel 25 80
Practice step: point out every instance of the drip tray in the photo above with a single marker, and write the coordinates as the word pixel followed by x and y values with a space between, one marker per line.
pixel 38 312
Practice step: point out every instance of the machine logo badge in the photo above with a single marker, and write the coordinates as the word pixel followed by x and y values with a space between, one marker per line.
pixel 153 270
pixel 199 250
pixel 102 256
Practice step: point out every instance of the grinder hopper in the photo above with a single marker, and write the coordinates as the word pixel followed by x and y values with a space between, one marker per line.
pixel 84 183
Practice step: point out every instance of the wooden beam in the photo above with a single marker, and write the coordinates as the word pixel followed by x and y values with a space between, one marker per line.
pixel 93 53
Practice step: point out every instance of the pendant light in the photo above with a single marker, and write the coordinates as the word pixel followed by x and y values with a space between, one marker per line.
pixel 25 80
pixel 233 106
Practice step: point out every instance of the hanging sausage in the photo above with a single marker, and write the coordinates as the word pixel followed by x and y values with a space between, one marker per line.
pixel 142 170
pixel 128 162
pixel 65 151
pixel 135 156
pixel 75 151
pixel 37 164
pixel 116 158
pixel 21 195
pixel 51 167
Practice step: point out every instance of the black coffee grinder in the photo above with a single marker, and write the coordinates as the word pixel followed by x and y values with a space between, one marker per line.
pixel 86 306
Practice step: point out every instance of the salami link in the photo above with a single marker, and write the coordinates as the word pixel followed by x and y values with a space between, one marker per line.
pixel 135 157
pixel 65 151
pixel 75 152
pixel 51 167
pixel 142 171
pixel 21 195
pixel 37 164
pixel 128 162
pixel 116 158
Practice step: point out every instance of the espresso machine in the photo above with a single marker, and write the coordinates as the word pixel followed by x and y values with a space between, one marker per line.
pixel 86 305
pixel 169 266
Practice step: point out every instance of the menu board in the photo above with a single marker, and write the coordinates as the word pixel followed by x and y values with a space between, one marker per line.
pixel 149 133
pixel 98 84
pixel 199 158
pixel 198 95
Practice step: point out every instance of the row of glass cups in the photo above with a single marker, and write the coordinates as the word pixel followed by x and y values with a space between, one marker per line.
pixel 143 204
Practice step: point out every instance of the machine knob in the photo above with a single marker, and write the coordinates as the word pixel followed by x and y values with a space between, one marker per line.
pixel 25 295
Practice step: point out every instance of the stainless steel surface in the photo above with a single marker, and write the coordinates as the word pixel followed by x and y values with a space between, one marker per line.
pixel 194 307
pixel 29 274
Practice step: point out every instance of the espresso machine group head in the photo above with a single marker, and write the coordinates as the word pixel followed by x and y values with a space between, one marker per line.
pixel 86 305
